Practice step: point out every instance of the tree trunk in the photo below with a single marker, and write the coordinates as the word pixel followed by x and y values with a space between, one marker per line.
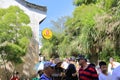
pixel 94 58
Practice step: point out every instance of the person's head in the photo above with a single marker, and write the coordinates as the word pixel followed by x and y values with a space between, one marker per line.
pixel 82 60
pixel 92 64
pixel 103 66
pixel 52 60
pixel 39 72
pixel 57 60
pixel 111 59
pixel 66 60
pixel 16 73
pixel 48 68
pixel 72 59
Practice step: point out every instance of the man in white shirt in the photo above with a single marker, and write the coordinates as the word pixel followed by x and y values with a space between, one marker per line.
pixel 112 65
pixel 104 75
pixel 116 73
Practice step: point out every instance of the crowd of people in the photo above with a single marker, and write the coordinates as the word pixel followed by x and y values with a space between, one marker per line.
pixel 79 69
pixel 75 69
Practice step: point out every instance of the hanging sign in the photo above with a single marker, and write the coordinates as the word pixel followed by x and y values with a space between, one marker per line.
pixel 47 33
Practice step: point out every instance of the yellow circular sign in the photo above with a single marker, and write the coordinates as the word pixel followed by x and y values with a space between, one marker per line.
pixel 47 33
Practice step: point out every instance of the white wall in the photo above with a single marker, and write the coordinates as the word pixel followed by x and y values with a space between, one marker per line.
pixel 35 15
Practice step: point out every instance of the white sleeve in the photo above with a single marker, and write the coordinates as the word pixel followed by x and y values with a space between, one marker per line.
pixel 109 68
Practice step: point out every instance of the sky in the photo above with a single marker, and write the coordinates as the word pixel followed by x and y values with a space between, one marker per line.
pixel 55 9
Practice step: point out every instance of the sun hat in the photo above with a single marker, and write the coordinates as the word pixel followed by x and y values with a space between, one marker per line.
pixel 57 61
pixel 49 64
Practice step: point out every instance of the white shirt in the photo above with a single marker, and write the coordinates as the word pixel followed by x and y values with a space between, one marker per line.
pixel 110 68
pixel 116 73
pixel 105 77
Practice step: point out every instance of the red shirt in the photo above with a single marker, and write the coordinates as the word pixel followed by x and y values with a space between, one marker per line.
pixel 15 78
pixel 88 74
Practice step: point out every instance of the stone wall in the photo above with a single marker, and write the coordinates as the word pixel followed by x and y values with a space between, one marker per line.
pixel 26 68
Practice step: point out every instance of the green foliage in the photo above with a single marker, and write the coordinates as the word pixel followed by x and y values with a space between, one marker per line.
pixel 23 43
pixel 93 29
pixel 54 46
pixel 80 2
pixel 63 47
pixel 86 14
pixel 49 48
pixel 2 12
pixel 25 31
pixel 16 11
pixel 108 4
pixel 111 27
pixel 15 31
pixel 83 23
pixel 15 52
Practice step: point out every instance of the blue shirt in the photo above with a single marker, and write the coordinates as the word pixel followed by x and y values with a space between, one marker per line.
pixel 44 77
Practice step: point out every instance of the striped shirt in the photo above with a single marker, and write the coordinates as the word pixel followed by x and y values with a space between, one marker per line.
pixel 88 74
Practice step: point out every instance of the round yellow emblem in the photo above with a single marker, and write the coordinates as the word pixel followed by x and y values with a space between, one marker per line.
pixel 47 33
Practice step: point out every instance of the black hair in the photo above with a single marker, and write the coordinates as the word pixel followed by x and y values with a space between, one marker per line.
pixel 17 72
pixel 40 72
pixel 92 64
pixel 101 63
pixel 81 56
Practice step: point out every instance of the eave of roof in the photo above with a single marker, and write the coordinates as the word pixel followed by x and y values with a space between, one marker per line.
pixel 31 5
